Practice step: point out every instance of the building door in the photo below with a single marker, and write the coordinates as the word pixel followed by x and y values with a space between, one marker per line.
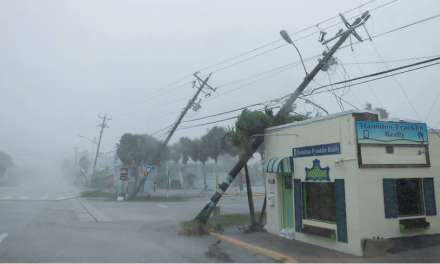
pixel 287 201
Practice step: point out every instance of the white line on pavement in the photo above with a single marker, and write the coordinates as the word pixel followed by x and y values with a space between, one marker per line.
pixel 47 195
pixel 3 236
pixel 6 197
pixel 24 197
pixel 60 198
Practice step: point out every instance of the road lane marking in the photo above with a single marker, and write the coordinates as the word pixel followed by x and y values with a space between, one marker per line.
pixel 3 236
pixel 162 206
pixel 60 198
pixel 266 252
pixel 6 197
pixel 24 197
pixel 47 195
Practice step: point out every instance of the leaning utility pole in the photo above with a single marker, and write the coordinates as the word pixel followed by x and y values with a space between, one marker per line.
pixel 204 214
pixel 177 123
pixel 103 125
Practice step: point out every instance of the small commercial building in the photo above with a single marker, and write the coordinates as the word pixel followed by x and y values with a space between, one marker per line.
pixel 337 180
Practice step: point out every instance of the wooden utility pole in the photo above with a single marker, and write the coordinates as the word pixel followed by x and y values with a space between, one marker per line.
pixel 176 124
pixel 204 214
pixel 103 125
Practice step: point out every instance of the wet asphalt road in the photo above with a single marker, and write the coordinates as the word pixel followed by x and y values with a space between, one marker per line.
pixel 36 227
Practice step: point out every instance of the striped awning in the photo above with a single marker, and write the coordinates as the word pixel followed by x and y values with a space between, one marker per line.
pixel 279 165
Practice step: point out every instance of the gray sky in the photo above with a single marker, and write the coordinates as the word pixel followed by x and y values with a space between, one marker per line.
pixel 64 62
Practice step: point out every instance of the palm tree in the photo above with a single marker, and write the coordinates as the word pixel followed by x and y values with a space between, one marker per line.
pixel 247 125
pixel 420 134
pixel 213 138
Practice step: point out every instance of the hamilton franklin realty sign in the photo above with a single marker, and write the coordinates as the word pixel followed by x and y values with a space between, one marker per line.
pixel 391 133
pixel 317 150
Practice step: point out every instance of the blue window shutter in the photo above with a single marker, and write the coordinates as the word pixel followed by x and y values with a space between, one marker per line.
pixel 341 213
pixel 389 198
pixel 429 195
pixel 298 204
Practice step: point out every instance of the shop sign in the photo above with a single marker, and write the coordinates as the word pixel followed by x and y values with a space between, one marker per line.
pixel 317 150
pixel 123 174
pixel 317 173
pixel 391 133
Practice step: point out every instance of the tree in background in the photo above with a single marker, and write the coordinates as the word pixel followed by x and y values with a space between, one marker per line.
pixel 213 138
pixel 185 148
pixel 5 163
pixel 199 151
pixel 136 148
pixel 383 113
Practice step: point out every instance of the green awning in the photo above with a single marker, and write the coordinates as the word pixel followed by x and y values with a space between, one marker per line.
pixel 279 165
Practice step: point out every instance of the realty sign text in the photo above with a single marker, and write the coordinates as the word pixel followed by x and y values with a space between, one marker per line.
pixel 391 133
pixel 317 150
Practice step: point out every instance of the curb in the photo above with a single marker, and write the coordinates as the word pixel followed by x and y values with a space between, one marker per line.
pixel 268 253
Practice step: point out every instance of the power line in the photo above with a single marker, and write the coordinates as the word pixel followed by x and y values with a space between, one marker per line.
pixel 433 103
pixel 398 73
pixel 369 86
pixel 253 50
pixel 400 85
pixel 379 35
pixel 50 153
pixel 311 34
pixel 378 73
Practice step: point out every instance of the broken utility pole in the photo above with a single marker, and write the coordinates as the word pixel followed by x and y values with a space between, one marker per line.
pixel 190 104
pixel 103 125
pixel 204 214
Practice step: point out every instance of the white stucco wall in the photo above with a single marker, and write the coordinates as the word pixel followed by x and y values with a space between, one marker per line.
pixel 339 129
pixel 363 186
pixel 402 155
pixel 370 190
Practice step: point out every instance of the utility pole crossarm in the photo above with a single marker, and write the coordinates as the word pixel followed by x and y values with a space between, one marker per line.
pixel 103 125
pixel 204 214
pixel 190 103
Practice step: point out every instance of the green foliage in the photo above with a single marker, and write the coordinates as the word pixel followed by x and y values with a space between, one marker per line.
pixel 185 146
pixel 135 148
pixel 199 150
pixel 5 163
pixel 288 116
pixel 176 152
pixel 213 139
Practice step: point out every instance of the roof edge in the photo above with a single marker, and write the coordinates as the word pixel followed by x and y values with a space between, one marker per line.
pixel 307 121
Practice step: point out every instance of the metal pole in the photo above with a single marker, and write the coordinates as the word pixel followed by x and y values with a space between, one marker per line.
pixel 204 214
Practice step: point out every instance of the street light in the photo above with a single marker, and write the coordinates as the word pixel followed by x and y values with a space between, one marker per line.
pixel 287 38
pixel 88 139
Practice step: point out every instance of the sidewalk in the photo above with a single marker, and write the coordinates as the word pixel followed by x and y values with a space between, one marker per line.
pixel 256 191
pixel 296 251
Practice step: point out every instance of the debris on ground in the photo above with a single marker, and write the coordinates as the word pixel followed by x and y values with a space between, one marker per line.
pixel 256 227
pixel 190 228
pixel 216 251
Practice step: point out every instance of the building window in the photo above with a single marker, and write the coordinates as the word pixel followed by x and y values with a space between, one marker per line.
pixel 319 201
pixel 389 149
pixel 409 197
